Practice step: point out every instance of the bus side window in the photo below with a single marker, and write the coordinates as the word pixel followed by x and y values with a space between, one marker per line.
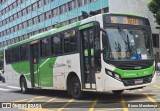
pixel 8 56
pixel 45 47
pixel 56 44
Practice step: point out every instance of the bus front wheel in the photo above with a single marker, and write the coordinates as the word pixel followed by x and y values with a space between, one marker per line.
pixel 117 92
pixel 75 86
pixel 23 85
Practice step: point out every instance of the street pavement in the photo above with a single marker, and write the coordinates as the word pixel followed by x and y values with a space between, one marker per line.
pixel 59 100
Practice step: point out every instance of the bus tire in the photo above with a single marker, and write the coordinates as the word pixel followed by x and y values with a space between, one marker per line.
pixel 117 92
pixel 23 85
pixel 75 88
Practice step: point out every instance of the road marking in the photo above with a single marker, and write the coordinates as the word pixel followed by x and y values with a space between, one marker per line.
pixel 40 96
pixel 13 87
pixel 65 105
pixel 21 100
pixel 156 86
pixel 151 99
pixel 50 100
pixel 123 102
pixel 93 105
pixel 29 99
pixel 3 89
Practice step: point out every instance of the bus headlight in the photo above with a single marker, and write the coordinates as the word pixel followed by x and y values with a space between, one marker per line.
pixel 114 75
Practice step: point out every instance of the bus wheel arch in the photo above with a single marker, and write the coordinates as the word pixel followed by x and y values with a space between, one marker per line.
pixel 23 84
pixel 73 81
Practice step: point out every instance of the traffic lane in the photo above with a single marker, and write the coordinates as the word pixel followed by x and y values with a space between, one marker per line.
pixel 92 99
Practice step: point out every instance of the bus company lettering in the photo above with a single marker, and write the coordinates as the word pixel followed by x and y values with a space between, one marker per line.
pixel 56 65
pixel 130 74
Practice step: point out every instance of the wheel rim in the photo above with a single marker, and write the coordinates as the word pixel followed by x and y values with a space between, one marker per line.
pixel 76 88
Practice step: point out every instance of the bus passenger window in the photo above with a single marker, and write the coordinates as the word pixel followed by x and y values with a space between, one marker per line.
pixel 23 52
pixel 70 42
pixel 45 47
pixel 56 45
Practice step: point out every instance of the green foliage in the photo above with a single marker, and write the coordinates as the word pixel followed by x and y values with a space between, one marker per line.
pixel 154 7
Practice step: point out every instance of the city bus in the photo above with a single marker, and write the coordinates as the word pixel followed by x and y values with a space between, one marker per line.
pixel 104 52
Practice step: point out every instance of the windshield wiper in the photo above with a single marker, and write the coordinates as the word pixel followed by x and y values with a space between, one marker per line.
pixel 124 37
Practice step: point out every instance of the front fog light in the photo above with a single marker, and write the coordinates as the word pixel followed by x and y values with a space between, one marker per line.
pixel 116 76
pixel 109 73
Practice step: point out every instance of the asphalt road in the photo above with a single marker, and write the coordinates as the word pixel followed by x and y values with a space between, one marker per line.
pixel 49 100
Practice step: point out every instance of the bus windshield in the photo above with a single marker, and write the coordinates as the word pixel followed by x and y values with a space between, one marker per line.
pixel 127 44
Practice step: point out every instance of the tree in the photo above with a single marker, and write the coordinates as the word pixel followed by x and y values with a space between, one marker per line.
pixel 154 7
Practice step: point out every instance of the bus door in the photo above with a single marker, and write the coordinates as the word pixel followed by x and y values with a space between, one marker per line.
pixel 87 61
pixel 34 64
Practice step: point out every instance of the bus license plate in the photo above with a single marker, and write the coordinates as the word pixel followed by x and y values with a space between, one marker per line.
pixel 139 81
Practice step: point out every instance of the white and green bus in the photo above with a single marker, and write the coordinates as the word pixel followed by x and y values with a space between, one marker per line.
pixel 105 52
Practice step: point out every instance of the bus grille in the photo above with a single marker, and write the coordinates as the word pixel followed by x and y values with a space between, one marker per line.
pixel 132 82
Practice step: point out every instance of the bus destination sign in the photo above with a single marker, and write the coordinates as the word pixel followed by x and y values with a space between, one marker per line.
pixel 125 20
pixel 130 20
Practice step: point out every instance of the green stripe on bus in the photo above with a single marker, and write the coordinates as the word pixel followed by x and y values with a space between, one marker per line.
pixel 86 26
pixel 45 70
pixel 135 73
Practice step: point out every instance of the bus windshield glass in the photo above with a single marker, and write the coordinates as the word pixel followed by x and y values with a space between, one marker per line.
pixel 127 44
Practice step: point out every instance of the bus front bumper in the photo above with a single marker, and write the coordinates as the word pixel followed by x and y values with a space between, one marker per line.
pixel 113 84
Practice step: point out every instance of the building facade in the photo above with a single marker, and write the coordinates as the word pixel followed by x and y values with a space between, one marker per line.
pixel 20 19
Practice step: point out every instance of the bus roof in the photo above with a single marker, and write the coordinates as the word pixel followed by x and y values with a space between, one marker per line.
pixel 126 13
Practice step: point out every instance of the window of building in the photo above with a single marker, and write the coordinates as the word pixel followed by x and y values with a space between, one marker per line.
pixel 70 41
pixel 29 9
pixel 14 4
pixel 11 18
pixel 15 28
pixel 24 11
pixel 62 9
pixel 48 15
pixel 75 3
pixel 80 3
pixel 45 47
pixel 40 3
pixel 35 20
pixel 19 14
pixel 55 12
pixel 56 44
pixel 18 2
pixel 41 17
pixel 70 5
pixel 30 22
pixel 15 16
pixel 35 6
pixel 20 26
